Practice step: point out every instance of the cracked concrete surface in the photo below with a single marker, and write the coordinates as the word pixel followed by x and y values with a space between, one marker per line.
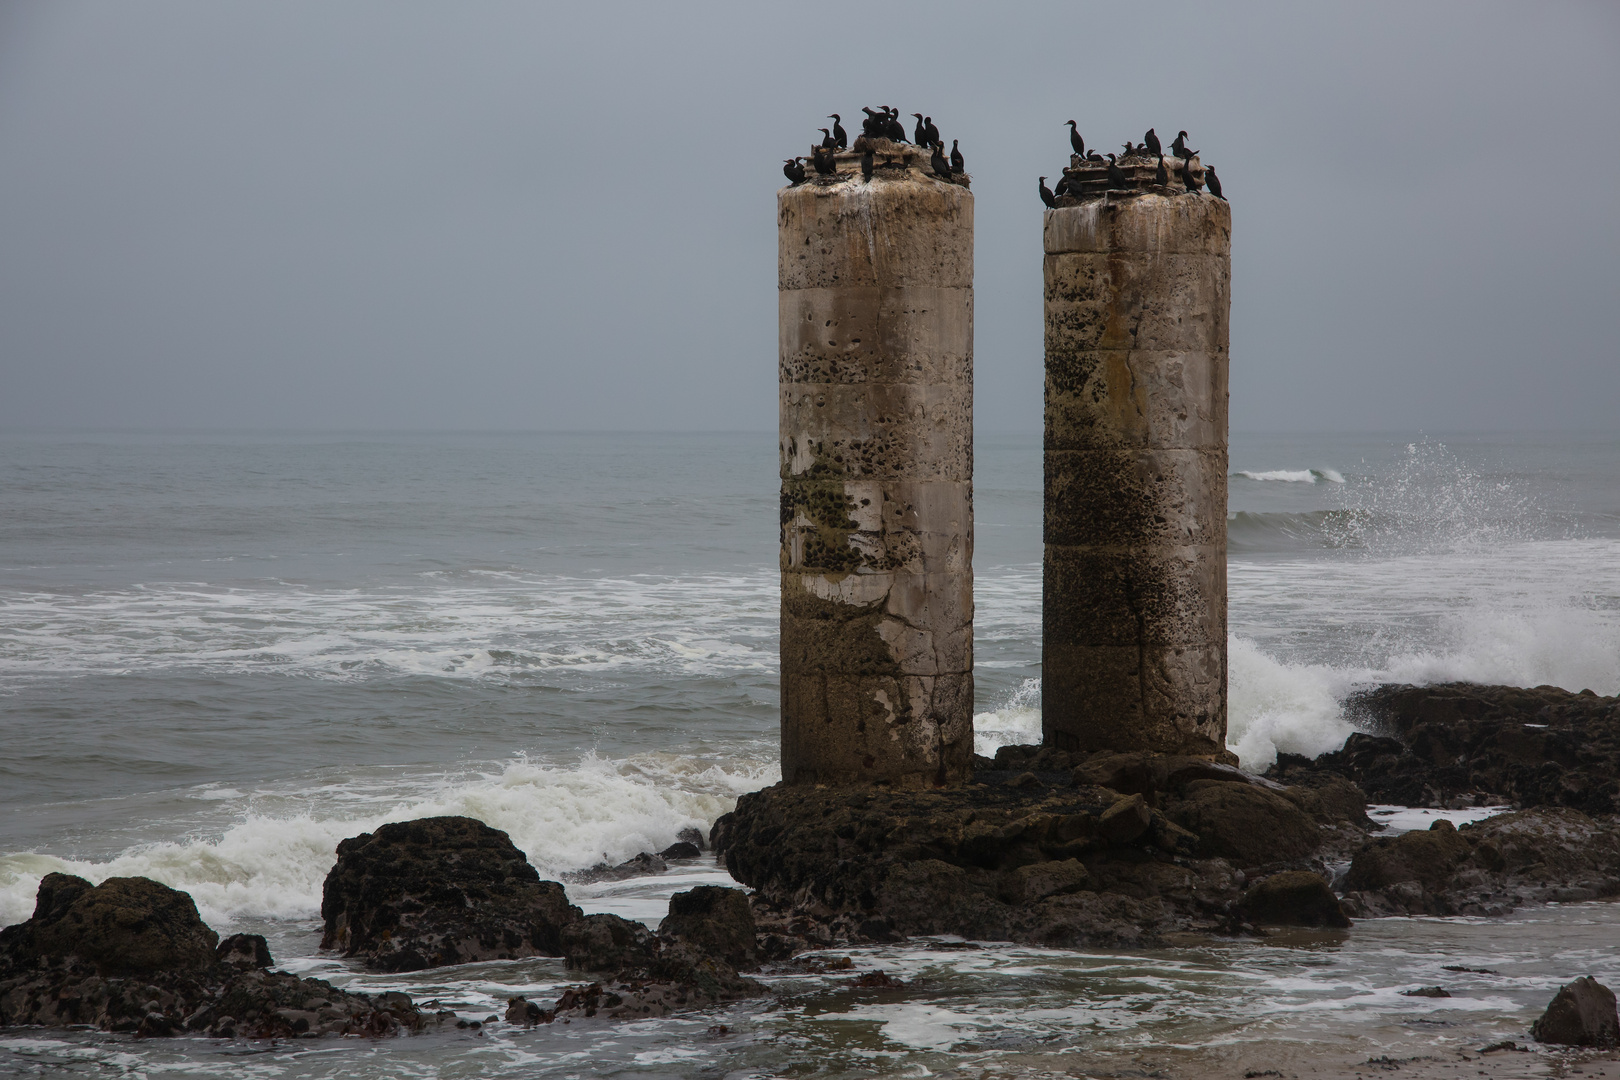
pixel 1137 293
pixel 876 454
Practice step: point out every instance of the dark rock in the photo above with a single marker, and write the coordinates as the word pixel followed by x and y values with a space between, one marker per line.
pixel 690 835
pixel 1125 821
pixel 1293 898
pixel 681 850
pixel 1427 992
pixel 1465 744
pixel 714 920
pixel 1037 881
pixel 124 926
pixel 1581 1014
pixel 607 942
pixel 642 865
pixel 131 955
pixel 244 951
pixel 435 891
pixel 1250 825
pixel 1057 865
pixel 1488 867
pixel 876 980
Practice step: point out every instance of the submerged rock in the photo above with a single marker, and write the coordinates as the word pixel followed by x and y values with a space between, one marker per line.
pixel 436 891
pixel 1581 1014
pixel 131 955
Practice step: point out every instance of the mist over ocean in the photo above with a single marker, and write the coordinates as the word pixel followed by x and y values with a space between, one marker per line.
pixel 220 655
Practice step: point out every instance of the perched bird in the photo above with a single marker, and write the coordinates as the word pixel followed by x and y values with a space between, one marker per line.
pixel 941 167
pixel 1075 140
pixel 1046 195
pixel 875 122
pixel 1192 182
pixel 958 163
pixel 1061 188
pixel 827 140
pixel 1116 175
pixel 866 166
pixel 838 131
pixel 1092 155
pixel 822 161
pixel 1130 148
pixel 931 132
pixel 919 134
pixel 896 130
pixel 793 169
pixel 1151 141
pixel 1178 146
pixel 1161 175
pixel 1214 182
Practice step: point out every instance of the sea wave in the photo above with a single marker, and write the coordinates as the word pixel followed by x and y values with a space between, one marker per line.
pixel 1294 476
pixel 563 816
pixel 505 625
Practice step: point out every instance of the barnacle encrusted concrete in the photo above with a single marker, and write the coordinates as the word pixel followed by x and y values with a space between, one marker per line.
pixel 876 373
pixel 1134 600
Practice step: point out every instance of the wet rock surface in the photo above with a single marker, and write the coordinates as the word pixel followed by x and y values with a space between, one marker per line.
pixel 1462 744
pixel 692 961
pixel 1041 848
pixel 1293 898
pixel 1581 1014
pixel 131 955
pixel 1489 867
pixel 436 891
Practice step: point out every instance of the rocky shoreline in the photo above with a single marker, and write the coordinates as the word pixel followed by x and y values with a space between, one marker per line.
pixel 1043 847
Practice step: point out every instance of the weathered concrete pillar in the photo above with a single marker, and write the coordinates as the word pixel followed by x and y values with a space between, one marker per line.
pixel 1137 298
pixel 876 369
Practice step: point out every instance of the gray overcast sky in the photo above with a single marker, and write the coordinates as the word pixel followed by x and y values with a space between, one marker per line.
pixel 522 215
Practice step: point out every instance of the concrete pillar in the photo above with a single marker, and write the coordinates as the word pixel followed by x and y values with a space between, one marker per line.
pixel 876 371
pixel 1134 600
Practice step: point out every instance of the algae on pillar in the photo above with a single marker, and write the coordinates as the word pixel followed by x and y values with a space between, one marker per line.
pixel 876 374
pixel 1134 595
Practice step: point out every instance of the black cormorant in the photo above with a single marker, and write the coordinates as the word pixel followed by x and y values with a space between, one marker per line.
pixel 793 169
pixel 1116 175
pixel 1061 188
pixel 958 164
pixel 1214 182
pixel 875 122
pixel 827 140
pixel 1179 146
pixel 838 130
pixel 1075 140
pixel 1093 156
pixel 931 131
pixel 1151 141
pixel 919 134
pixel 823 161
pixel 866 166
pixel 1187 178
pixel 1161 175
pixel 1130 148
pixel 1046 195
pixel 896 130
pixel 941 167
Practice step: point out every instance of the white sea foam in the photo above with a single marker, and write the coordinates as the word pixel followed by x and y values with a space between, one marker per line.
pixel 563 817
pixel 1016 722
pixel 500 625
pixel 1294 476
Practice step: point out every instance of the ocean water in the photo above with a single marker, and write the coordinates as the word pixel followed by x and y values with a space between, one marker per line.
pixel 221 654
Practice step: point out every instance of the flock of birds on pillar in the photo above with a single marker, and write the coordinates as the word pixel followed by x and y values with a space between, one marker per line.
pixel 1181 162
pixel 882 123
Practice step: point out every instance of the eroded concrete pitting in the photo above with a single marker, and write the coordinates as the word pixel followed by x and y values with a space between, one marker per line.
pixel 876 374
